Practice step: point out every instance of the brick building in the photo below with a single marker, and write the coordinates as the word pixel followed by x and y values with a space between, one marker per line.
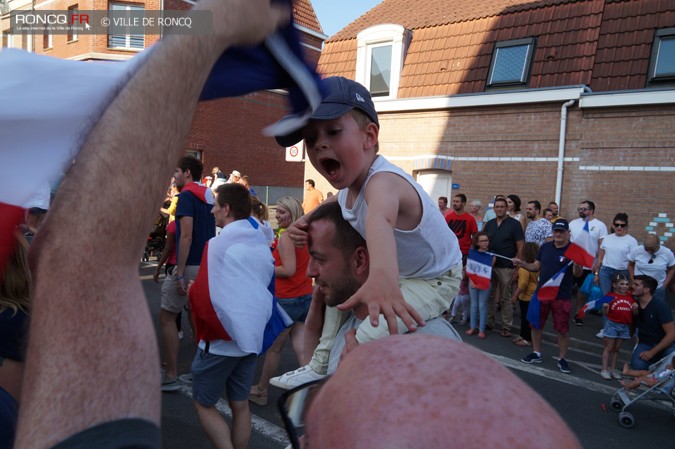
pixel 225 133
pixel 551 99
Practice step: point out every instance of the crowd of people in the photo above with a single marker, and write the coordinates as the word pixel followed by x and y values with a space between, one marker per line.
pixel 383 260
pixel 529 250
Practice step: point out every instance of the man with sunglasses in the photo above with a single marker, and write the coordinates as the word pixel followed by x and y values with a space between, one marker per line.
pixel 655 260
pixel 598 231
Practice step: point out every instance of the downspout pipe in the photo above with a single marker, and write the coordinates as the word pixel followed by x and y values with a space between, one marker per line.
pixel 561 151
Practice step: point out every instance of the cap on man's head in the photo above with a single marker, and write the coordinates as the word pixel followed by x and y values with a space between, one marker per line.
pixel 235 173
pixel 561 225
pixel 343 96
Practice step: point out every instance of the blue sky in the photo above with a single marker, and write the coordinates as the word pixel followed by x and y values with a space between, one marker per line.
pixel 336 14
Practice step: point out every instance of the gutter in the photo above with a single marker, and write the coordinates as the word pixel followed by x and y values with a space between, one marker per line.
pixel 561 150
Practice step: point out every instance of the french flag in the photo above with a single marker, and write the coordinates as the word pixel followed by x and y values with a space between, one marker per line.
pixel 479 269
pixel 582 249
pixel 203 193
pixel 48 107
pixel 230 298
pixel 594 304
pixel 549 290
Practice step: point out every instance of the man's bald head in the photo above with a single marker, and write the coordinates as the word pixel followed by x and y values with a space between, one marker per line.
pixel 651 242
pixel 412 391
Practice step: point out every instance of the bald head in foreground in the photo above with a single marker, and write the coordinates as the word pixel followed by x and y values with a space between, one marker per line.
pixel 401 392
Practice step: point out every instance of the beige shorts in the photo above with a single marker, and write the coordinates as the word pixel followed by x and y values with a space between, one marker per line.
pixel 429 297
pixel 171 301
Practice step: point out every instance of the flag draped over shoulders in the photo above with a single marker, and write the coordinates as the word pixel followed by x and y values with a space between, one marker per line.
pixel 230 297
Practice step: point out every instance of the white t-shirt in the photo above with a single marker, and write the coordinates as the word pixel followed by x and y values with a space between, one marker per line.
pixel 663 259
pixel 596 228
pixel 617 249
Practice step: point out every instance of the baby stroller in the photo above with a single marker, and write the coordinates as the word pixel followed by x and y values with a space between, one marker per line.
pixel 157 238
pixel 661 391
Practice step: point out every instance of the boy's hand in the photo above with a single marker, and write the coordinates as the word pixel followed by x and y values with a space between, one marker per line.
pixel 298 232
pixel 385 298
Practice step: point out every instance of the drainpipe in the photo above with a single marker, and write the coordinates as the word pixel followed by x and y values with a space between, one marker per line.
pixel 561 151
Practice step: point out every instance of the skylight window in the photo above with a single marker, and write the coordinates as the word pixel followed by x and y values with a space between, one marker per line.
pixel 511 63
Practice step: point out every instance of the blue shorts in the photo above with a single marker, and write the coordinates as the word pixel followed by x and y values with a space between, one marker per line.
pixel 9 412
pixel 297 308
pixel 616 330
pixel 211 374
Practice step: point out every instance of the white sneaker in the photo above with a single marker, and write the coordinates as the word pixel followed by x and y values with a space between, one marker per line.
pixel 605 374
pixel 601 334
pixel 296 378
pixel 616 374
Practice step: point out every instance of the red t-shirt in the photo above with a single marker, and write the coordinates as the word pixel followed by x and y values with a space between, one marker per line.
pixel 464 226
pixel 620 309
pixel 298 284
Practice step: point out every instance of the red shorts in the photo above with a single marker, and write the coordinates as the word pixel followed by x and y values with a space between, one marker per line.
pixel 560 309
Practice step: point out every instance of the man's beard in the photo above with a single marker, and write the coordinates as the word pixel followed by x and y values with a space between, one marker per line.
pixel 341 292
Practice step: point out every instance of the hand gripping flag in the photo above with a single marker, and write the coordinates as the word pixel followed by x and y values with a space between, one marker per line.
pixel 549 290
pixel 479 269
pixel 48 107
pixel 582 249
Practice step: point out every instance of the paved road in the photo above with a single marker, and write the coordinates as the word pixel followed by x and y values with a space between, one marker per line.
pixel 582 398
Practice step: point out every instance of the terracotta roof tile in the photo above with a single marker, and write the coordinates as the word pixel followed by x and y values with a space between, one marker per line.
pixel 606 43
pixel 303 14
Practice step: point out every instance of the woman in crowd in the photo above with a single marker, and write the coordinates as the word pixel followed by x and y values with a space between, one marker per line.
pixel 14 308
pixel 259 213
pixel 479 296
pixel 613 254
pixel 474 212
pixel 293 290
pixel 513 210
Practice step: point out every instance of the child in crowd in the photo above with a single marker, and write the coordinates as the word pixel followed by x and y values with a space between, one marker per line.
pixel 645 377
pixel 527 285
pixel 462 302
pixel 479 294
pixel 619 314
pixel 415 260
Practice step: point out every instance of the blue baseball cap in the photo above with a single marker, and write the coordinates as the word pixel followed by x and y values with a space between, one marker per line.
pixel 561 225
pixel 343 96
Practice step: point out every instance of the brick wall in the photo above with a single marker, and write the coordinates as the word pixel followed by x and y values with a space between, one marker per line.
pixel 600 139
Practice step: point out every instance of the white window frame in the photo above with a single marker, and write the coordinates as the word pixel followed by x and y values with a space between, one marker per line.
pixel 377 36
pixel 74 9
pixel 50 40
pixel 652 79
pixel 127 40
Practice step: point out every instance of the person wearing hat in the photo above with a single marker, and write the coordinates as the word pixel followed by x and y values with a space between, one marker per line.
pixel 235 176
pixel 550 260
pixel 416 263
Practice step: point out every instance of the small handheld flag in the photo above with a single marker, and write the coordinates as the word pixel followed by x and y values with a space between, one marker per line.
pixel 479 268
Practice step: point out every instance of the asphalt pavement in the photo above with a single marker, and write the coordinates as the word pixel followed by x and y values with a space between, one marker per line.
pixel 581 398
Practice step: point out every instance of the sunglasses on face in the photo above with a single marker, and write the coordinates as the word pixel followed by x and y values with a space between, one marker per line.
pixel 583 209
pixel 620 225
pixel 293 405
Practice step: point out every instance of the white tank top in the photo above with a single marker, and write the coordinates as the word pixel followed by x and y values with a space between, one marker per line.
pixel 426 252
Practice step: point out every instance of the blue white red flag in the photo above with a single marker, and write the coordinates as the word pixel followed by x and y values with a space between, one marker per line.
pixel 203 193
pixel 549 289
pixel 230 298
pixel 595 304
pixel 583 248
pixel 48 106
pixel 479 269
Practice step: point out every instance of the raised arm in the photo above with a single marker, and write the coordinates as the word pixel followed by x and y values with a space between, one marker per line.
pixel 381 291
pixel 75 378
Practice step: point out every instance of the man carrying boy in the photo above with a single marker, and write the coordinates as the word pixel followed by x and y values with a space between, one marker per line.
pixel 415 265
